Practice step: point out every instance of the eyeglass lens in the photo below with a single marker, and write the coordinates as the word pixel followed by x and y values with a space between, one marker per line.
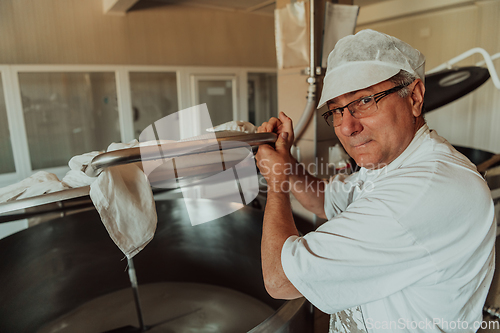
pixel 360 108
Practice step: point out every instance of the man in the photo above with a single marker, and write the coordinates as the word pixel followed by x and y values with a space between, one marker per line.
pixel 409 242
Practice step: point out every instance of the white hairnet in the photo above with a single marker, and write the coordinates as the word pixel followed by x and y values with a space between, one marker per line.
pixel 367 58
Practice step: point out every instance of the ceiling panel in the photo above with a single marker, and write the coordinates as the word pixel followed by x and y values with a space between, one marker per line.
pixel 363 3
pixel 257 6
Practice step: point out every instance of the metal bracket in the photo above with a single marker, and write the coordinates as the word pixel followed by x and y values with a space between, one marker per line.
pixel 307 71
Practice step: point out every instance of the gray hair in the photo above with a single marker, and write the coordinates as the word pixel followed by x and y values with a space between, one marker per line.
pixel 403 77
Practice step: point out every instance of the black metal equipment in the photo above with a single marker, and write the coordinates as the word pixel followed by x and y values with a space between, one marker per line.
pixel 55 267
pixel 448 85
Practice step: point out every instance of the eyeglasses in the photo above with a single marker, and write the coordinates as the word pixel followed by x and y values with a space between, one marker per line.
pixel 360 108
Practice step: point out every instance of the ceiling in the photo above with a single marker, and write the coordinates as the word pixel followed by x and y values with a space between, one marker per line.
pixel 254 6
pixel 265 7
pixel 362 3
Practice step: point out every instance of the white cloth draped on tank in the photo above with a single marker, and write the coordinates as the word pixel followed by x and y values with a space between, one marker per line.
pixel 121 194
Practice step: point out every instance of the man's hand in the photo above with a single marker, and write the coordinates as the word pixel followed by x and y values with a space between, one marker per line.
pixel 275 164
pixel 273 125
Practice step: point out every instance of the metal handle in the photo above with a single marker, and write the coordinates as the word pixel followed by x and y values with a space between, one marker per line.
pixel 159 151
pixel 44 199
pixel 132 155
pixel 481 168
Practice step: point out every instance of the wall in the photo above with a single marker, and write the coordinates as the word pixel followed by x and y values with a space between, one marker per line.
pixel 473 120
pixel 77 32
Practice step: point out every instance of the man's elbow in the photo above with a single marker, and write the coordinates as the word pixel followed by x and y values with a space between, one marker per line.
pixel 279 289
pixel 272 289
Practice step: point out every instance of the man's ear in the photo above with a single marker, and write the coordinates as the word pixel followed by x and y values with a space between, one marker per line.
pixel 417 98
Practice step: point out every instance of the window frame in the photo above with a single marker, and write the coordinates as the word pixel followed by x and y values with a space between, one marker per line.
pixel 186 95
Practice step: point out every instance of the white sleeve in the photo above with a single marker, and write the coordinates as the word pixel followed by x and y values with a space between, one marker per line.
pixel 361 255
pixel 338 194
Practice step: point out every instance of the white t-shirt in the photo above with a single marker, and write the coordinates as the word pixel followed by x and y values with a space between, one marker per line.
pixel 407 248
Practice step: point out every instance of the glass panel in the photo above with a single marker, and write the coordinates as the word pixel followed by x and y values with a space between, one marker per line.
pixel 67 114
pixel 6 157
pixel 218 94
pixel 262 97
pixel 154 96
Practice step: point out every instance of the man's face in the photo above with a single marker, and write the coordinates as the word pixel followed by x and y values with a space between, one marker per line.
pixel 377 140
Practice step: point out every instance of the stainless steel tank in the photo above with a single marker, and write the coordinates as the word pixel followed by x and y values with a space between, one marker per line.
pixel 53 268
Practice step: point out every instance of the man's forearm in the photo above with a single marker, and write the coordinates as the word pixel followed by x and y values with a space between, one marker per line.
pixel 308 190
pixel 277 227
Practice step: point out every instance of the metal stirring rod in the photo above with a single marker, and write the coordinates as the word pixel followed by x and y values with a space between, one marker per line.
pixel 135 289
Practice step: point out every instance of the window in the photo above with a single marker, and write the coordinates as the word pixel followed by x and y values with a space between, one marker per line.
pixel 6 156
pixel 68 113
pixel 219 93
pixel 154 96
pixel 59 111
pixel 262 97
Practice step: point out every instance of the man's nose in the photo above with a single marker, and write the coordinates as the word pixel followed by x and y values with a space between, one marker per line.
pixel 350 126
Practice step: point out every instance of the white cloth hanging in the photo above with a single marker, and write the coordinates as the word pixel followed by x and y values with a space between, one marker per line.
pixel 121 194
